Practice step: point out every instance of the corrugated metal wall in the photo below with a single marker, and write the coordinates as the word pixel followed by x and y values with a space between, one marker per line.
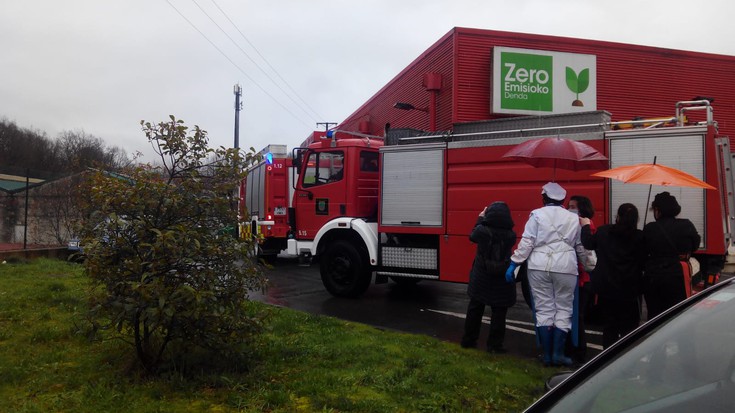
pixel 407 87
pixel 632 80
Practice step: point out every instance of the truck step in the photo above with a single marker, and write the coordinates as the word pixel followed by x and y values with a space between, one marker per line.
pixel 407 275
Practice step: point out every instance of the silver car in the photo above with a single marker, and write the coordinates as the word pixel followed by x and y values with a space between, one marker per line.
pixel 681 361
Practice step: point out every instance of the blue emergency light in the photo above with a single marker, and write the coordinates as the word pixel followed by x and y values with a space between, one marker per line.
pixel 269 158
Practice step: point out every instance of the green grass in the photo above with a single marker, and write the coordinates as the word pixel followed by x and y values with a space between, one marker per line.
pixel 302 363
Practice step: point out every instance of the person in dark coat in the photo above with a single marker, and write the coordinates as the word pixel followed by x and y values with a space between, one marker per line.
pixel 494 236
pixel 669 243
pixel 616 279
pixel 582 206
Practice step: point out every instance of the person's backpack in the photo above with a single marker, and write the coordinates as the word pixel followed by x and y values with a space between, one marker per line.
pixel 495 263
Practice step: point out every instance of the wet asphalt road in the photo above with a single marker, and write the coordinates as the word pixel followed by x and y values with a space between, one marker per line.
pixel 431 308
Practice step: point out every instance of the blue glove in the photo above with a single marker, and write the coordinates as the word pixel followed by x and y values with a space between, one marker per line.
pixel 510 272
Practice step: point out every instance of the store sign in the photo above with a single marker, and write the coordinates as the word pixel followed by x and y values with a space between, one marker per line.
pixel 536 82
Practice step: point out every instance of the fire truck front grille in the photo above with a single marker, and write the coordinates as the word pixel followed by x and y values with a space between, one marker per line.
pixel 403 257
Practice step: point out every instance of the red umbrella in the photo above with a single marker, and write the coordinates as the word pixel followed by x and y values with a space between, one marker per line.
pixel 558 153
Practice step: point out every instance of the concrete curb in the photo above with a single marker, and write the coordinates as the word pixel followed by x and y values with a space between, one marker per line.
pixel 58 252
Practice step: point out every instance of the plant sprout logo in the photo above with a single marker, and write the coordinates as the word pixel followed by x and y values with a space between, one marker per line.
pixel 577 83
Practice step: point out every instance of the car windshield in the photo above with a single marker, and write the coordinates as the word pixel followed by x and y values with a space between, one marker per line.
pixel 687 364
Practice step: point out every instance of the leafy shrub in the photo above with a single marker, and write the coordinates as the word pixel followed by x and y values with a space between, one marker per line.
pixel 167 273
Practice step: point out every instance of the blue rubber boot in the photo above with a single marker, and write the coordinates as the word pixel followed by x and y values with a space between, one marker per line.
pixel 545 336
pixel 558 358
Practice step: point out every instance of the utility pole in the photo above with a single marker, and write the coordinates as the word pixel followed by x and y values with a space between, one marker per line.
pixel 326 125
pixel 238 108
pixel 25 227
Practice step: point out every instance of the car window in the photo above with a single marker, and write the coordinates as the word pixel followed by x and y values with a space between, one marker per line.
pixel 685 365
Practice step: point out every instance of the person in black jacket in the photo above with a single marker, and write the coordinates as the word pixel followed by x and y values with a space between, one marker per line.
pixel 494 236
pixel 582 206
pixel 669 243
pixel 617 276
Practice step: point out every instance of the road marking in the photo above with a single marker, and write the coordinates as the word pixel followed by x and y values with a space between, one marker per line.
pixel 486 320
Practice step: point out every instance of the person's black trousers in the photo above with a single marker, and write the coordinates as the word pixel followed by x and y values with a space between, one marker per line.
pixel 662 293
pixel 620 316
pixel 473 323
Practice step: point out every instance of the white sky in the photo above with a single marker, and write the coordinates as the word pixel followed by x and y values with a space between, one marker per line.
pixel 102 66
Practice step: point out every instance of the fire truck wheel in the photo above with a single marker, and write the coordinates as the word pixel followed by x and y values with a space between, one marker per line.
pixel 269 259
pixel 344 270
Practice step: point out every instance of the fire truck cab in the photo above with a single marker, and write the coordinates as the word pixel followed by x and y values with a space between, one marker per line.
pixel 335 198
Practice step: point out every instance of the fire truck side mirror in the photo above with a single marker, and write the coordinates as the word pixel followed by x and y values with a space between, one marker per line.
pixel 297 156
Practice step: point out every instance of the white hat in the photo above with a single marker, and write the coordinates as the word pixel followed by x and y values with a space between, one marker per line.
pixel 554 191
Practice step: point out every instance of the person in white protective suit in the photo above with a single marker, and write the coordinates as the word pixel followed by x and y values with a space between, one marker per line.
pixel 551 245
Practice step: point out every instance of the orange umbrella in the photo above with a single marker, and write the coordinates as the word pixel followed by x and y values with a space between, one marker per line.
pixel 653 174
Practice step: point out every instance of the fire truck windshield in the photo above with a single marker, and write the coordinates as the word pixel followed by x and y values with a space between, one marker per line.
pixel 323 167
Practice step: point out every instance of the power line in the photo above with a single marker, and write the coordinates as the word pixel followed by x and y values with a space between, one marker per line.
pixel 236 66
pixel 266 60
pixel 251 59
pixel 299 105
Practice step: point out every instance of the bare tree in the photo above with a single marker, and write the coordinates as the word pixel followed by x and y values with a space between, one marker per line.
pixel 79 150
pixel 27 149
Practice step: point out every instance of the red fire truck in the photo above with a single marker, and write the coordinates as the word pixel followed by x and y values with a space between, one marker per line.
pixel 410 219
pixel 265 199
pixel 338 177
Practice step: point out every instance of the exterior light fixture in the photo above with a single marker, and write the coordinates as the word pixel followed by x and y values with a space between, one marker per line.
pixel 707 98
pixel 408 106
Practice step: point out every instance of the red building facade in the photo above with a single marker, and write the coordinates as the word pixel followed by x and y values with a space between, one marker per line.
pixel 452 82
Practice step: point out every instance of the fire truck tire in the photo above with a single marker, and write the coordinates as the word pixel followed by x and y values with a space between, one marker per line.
pixel 269 259
pixel 344 270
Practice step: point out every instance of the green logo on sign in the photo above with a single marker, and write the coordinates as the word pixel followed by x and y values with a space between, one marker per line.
pixel 526 81
pixel 578 83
